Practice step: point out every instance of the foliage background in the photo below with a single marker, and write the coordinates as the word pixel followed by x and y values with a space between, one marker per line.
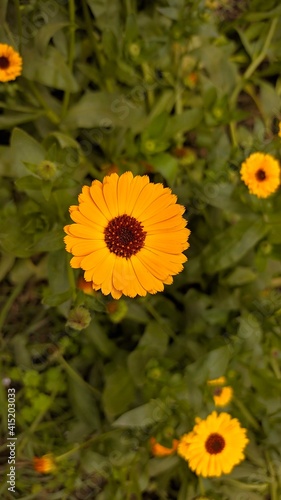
pixel 183 91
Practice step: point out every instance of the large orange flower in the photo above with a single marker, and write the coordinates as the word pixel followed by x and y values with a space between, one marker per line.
pixel 128 236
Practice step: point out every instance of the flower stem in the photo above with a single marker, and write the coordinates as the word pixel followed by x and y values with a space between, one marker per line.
pixel 272 484
pixel 9 302
pixel 75 375
pixel 53 117
pixel 250 70
pixel 247 414
pixel 71 51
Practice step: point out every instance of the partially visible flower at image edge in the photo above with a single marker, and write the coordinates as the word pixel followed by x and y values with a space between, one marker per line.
pixel 261 174
pixel 10 63
pixel 128 236
pixel 158 450
pixel 214 446
pixel 44 464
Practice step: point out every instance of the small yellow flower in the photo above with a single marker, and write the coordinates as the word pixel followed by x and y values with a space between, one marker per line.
pixel 10 63
pixel 223 395
pixel 214 446
pixel 162 451
pixel 217 381
pixel 44 464
pixel 261 174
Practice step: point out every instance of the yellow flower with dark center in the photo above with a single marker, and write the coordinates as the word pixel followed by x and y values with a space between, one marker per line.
pixel 128 236
pixel 214 446
pixel 44 464
pixel 222 395
pixel 261 173
pixel 10 63
pixel 158 450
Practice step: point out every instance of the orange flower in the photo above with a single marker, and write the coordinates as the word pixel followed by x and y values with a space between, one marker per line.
pixel 44 464
pixel 10 63
pixel 162 451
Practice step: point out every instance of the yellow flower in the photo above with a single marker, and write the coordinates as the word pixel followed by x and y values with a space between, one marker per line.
pixel 214 446
pixel 261 173
pixel 217 381
pixel 44 464
pixel 129 235
pixel 10 63
pixel 162 451
pixel 223 395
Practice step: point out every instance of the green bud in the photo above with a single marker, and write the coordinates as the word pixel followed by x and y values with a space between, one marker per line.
pixel 79 318
pixel 47 170
pixel 149 146
pixel 134 49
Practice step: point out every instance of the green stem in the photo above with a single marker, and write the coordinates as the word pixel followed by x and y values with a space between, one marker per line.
pixel 53 117
pixel 68 453
pixel 91 35
pixel 247 414
pixel 248 487
pixel 151 309
pixel 147 79
pixel 273 484
pixel 71 279
pixel 75 375
pixel 9 302
pixel 35 424
pixel 71 51
pixel 250 70
pixel 19 22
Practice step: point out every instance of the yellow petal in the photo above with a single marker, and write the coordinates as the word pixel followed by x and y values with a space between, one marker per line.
pixel 94 259
pixel 123 190
pixel 110 194
pixel 97 196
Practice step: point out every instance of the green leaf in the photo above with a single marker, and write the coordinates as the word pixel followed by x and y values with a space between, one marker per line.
pixel 83 403
pixel 3 9
pixel 104 111
pixel 98 338
pixel 143 416
pixel 228 247
pixel 166 165
pixel 47 32
pixel 10 120
pixel 118 393
pixel 154 340
pixel 240 276
pixel 274 222
pixel 24 149
pixel 45 69
pixel 186 121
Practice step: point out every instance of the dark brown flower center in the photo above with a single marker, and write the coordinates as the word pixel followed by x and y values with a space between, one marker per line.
pixel 217 391
pixel 260 175
pixel 215 444
pixel 124 236
pixel 4 62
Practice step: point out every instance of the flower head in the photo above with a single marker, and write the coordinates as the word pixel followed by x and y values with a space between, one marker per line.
pixel 10 63
pixel 158 450
pixel 214 446
pixel 44 464
pixel 222 395
pixel 128 236
pixel 261 173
